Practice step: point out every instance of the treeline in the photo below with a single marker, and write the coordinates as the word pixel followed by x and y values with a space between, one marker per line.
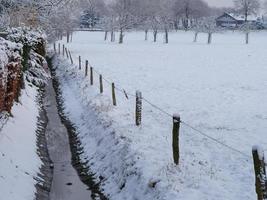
pixel 156 15
pixel 61 17
pixel 160 16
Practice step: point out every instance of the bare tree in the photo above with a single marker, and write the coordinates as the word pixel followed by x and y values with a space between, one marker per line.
pixel 247 7
pixel 166 17
pixel 187 10
pixel 154 17
pixel 208 26
pixel 124 12
pixel 198 27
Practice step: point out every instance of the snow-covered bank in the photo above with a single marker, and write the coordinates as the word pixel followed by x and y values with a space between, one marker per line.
pixel 19 160
pixel 136 163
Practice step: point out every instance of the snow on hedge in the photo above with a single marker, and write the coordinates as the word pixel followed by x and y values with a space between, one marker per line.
pixel 8 50
pixel 19 160
pixel 25 35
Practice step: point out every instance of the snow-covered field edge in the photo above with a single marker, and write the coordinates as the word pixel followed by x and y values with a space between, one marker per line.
pixel 112 156
pixel 136 163
pixel 25 172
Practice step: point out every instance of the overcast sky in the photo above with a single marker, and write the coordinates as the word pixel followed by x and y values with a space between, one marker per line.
pixel 220 3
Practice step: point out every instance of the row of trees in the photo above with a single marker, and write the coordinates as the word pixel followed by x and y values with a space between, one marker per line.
pixel 60 17
pixel 53 16
pixel 162 15
pixel 155 15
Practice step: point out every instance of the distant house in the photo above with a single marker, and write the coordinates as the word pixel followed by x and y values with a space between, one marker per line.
pixel 231 20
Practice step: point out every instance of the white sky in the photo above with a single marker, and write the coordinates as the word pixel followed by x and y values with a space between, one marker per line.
pixel 220 3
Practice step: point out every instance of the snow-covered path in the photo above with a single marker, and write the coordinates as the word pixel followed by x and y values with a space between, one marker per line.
pixel 66 182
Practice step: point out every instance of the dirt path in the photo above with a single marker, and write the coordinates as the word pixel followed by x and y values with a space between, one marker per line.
pixel 66 183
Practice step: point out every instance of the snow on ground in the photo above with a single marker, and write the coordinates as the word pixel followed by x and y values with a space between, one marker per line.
pixel 218 88
pixel 18 149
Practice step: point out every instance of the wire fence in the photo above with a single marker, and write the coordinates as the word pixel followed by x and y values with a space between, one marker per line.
pixel 128 95
pixel 163 111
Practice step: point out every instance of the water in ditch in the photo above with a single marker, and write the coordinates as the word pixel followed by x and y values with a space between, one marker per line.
pixel 66 183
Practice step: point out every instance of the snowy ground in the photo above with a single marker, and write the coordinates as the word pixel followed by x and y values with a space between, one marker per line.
pixel 19 162
pixel 218 88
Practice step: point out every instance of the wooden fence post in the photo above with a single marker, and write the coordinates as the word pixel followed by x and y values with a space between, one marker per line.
pixel 138 108
pixel 91 76
pixel 113 95
pixel 59 48
pixel 80 63
pixel 175 138
pixel 86 67
pixel 55 50
pixel 101 83
pixel 63 51
pixel 260 173
pixel 70 58
pixel 67 53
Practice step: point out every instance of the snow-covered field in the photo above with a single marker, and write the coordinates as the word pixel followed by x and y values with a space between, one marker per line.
pixel 19 162
pixel 219 89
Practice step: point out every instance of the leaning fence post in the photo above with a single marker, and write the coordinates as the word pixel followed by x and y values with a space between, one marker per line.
pixel 86 67
pixel 70 58
pixel 55 50
pixel 80 63
pixel 113 95
pixel 67 53
pixel 59 48
pixel 260 173
pixel 91 76
pixel 138 108
pixel 175 138
pixel 101 83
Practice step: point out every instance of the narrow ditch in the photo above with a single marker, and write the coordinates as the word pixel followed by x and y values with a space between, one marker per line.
pixel 76 148
pixel 46 172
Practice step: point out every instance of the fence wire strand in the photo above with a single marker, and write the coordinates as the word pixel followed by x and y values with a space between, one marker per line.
pixel 215 140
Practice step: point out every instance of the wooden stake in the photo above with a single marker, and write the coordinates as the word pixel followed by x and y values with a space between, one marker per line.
pixel 91 76
pixel 113 94
pixel 126 95
pixel 175 138
pixel 80 63
pixel 101 83
pixel 86 68
pixel 138 108
pixel 63 50
pixel 67 53
pixel 55 50
pixel 260 173
pixel 59 48
pixel 70 58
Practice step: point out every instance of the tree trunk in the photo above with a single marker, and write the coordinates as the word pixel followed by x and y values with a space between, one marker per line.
pixel 112 36
pixel 146 35
pixel 166 36
pixel 176 26
pixel 247 37
pixel 121 37
pixel 186 23
pixel 106 35
pixel 195 38
pixel 155 33
pixel 209 38
pixel 68 36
